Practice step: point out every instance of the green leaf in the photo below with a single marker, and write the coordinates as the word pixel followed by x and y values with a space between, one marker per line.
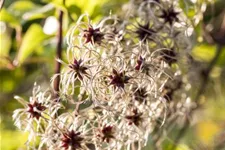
pixel 22 6
pixel 32 39
pixel 206 52
pixel 89 5
pixel 5 45
pixel 6 16
pixel 74 11
pixel 27 10
pixel 5 42
pixel 77 7
pixel 56 3
pixel 39 13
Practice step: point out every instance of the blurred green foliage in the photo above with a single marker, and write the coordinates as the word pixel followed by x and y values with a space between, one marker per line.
pixel 205 52
pixel 27 54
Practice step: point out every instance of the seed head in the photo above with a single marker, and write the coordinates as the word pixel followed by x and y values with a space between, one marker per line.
pixel 169 15
pixel 78 68
pixel 71 140
pixel 35 109
pixel 169 56
pixel 118 79
pixel 93 35
pixel 140 94
pixel 144 32
pixel 107 133
pixel 135 118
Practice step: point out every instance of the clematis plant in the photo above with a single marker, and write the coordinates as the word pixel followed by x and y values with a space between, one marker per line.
pixel 118 79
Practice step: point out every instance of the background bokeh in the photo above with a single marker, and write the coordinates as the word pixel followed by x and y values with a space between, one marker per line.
pixel 27 54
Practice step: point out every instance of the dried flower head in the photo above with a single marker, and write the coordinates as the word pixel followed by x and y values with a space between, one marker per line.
pixel 32 111
pixel 71 140
pixel 169 15
pixel 118 79
pixel 135 118
pixel 93 35
pixel 35 109
pixel 106 133
pixel 79 68
pixel 145 32
pixel 140 94
pixel 169 56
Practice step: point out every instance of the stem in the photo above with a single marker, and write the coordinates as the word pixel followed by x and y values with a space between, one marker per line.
pixel 1 4
pixel 201 91
pixel 59 52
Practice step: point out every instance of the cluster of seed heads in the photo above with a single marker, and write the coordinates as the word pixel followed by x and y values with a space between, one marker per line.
pixel 120 81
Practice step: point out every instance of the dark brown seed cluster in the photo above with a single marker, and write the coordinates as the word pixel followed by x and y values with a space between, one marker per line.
pixel 169 56
pixel 144 32
pixel 169 15
pixel 35 109
pixel 140 95
pixel 107 133
pixel 93 35
pixel 135 118
pixel 78 68
pixel 71 140
pixel 118 79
